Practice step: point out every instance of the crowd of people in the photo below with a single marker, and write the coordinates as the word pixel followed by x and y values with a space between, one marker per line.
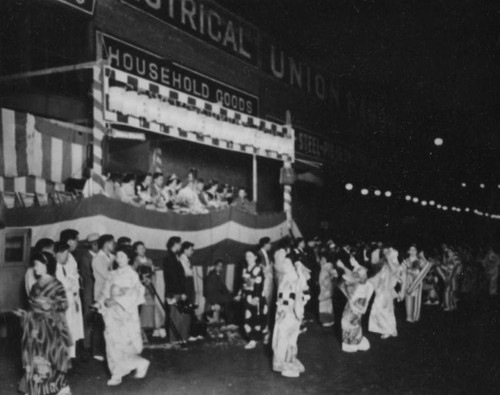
pixel 193 195
pixel 97 298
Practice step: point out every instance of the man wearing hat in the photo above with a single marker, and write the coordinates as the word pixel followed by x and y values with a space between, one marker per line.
pixel 85 255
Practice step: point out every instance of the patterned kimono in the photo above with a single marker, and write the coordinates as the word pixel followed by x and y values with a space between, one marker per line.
pixel 326 277
pixel 382 319
pixel 255 318
pixel 414 273
pixel 123 327
pixel 68 276
pixel 358 296
pixel 292 297
pixel 46 340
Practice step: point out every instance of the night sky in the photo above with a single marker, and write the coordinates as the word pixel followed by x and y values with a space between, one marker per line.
pixel 434 65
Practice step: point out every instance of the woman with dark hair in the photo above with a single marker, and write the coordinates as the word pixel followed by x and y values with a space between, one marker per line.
pixel 41 245
pixel 382 318
pixel 121 297
pixel 254 302
pixel 292 297
pixel 127 191
pixel 415 268
pixel 143 188
pixel 46 337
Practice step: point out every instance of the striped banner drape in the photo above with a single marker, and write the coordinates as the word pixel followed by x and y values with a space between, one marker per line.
pixel 40 147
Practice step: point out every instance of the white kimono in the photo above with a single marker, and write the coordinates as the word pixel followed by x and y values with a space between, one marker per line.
pixel 68 276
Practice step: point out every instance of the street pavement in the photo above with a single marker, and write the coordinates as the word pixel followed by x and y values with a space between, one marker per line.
pixel 445 353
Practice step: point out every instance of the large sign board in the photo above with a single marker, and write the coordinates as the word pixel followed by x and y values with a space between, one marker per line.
pixel 206 21
pixel 86 6
pixel 312 147
pixel 137 61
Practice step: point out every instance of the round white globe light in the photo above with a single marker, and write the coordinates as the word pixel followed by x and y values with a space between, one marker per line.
pixel 377 192
pixel 424 203
pixel 415 200
pixel 432 203
pixel 388 193
pixel 407 198
pixel 482 186
pixel 438 141
pixel 364 191
pixel 349 187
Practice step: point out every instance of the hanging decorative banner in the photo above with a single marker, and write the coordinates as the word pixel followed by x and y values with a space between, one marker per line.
pixel 86 6
pixel 144 64
pixel 207 21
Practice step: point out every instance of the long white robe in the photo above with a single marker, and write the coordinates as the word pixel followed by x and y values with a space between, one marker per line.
pixel 68 275
pixel 123 327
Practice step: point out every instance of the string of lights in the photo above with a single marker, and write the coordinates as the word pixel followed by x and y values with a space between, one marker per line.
pixel 423 202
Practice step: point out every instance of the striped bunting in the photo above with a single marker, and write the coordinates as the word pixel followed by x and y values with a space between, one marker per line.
pixel 222 232
pixel 40 147
pixel 29 184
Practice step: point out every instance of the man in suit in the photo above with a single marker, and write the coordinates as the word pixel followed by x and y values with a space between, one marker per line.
pixel 175 289
pixel 84 256
pixel 216 292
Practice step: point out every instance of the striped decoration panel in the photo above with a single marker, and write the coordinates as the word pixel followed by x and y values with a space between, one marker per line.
pixel 35 146
pixel 29 184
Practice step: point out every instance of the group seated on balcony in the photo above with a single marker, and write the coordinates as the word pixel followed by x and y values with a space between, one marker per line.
pixel 192 195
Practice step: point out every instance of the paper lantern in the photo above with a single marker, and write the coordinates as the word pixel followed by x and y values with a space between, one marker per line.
pixel 115 97
pixel 130 102
pixel 153 109
pixel 164 109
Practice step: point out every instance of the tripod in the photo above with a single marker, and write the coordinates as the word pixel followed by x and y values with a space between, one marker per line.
pixel 167 318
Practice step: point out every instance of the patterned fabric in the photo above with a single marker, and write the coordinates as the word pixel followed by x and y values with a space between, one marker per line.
pixel 123 329
pixel 358 296
pixel 414 271
pixel 292 297
pixel 254 303
pixel 46 340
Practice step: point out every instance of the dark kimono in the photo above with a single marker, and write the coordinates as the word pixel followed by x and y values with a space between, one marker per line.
pixel 255 318
pixel 46 340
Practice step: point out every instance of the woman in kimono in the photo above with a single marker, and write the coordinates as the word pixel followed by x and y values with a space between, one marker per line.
pixel 358 292
pixel 46 337
pixel 67 274
pixel 121 297
pixel 326 277
pixel 382 319
pixel 292 297
pixel 254 302
pixel 415 269
pixel 449 272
